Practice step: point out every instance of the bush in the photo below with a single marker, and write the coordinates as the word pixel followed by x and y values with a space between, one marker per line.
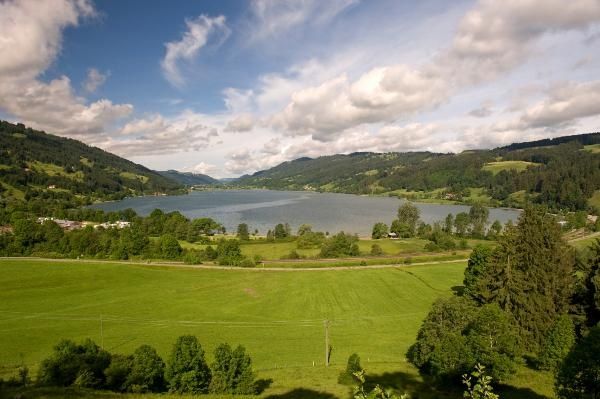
pixel 376 250
pixel 229 252
pixel 557 344
pixel 341 244
pixel 187 371
pixel 232 371
pixel 577 376
pixel 347 376
pixel 192 257
pixel 247 262
pixel 70 363
pixel 147 371
pixel 117 373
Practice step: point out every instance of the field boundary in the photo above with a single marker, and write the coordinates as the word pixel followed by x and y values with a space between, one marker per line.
pixel 235 268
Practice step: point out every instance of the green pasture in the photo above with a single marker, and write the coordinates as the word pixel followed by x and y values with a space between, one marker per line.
pixel 497 167
pixel 277 316
pixel 595 200
pixel 593 148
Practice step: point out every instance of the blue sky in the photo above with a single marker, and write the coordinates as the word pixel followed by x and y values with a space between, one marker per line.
pixel 231 87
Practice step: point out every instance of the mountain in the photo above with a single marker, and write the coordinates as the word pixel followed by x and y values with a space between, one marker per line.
pixel 37 165
pixel 563 173
pixel 189 179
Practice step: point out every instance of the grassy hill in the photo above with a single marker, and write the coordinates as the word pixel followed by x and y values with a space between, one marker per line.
pixel 189 179
pixel 34 164
pixel 563 173
pixel 277 316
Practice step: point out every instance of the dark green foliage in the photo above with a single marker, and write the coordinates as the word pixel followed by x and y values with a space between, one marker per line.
pixel 578 376
pixel 117 372
pixel 461 224
pixel 376 250
pixel 310 239
pixel 169 247
pixel 530 275
pixel 557 343
pixel 147 371
pixel 449 223
pixel 339 245
pixel 242 232
pixel 282 231
pixel 232 371
pixel 70 361
pixel 456 335
pixel 347 376
pixel 478 215
pixel 408 215
pixel 187 371
pixel 229 252
pixel 587 295
pixel 474 272
pixel 481 387
pixel 380 230
pixel 188 178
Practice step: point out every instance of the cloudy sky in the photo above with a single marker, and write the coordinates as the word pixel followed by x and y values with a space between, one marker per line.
pixel 231 87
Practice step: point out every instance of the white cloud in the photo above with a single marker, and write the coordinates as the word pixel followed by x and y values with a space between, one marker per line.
pixel 195 37
pixel 94 80
pixel 241 123
pixel 202 168
pixel 492 38
pixel 273 17
pixel 30 40
pixel 157 135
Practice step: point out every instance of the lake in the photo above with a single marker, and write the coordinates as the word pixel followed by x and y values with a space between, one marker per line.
pixel 263 209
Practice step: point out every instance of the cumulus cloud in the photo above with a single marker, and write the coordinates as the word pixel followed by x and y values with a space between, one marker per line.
pixel 194 38
pixel 94 80
pixel 157 135
pixel 202 168
pixel 30 40
pixel 492 38
pixel 241 123
pixel 272 17
pixel 563 106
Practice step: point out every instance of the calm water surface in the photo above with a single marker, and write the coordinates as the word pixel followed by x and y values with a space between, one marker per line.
pixel 263 209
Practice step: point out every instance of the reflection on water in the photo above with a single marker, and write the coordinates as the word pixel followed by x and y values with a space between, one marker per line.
pixel 262 209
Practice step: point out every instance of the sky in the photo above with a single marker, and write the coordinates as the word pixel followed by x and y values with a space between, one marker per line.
pixel 230 87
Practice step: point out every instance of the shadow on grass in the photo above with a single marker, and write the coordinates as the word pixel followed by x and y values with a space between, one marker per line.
pixel 262 384
pixel 302 393
pixel 409 383
pixel 419 389
pixel 519 393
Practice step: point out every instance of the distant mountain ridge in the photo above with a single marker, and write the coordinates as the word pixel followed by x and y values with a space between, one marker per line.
pixel 563 172
pixel 35 164
pixel 188 178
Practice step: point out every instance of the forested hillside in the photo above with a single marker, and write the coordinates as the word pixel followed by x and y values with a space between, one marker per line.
pixel 563 173
pixel 189 179
pixel 35 165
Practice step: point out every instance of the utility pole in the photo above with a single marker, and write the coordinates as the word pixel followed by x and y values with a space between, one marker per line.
pixel 326 323
pixel 101 332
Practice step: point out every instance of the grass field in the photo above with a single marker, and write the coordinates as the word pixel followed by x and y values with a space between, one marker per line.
pixel 278 316
pixel 497 167
pixel 273 251
pixel 593 148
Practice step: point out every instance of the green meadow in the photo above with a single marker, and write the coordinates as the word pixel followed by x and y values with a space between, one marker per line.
pixel 497 167
pixel 277 315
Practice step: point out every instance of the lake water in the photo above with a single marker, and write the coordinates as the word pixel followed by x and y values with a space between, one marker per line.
pixel 263 209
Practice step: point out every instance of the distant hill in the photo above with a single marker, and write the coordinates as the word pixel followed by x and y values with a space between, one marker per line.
pixel 563 173
pixel 189 179
pixel 34 164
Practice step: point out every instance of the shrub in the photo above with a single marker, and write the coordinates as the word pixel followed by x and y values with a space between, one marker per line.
pixel 376 250
pixel 187 371
pixel 577 375
pixel 341 244
pixel 71 362
pixel 347 376
pixel 147 371
pixel 117 372
pixel 232 371
pixel 247 262
pixel 229 252
pixel 557 344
